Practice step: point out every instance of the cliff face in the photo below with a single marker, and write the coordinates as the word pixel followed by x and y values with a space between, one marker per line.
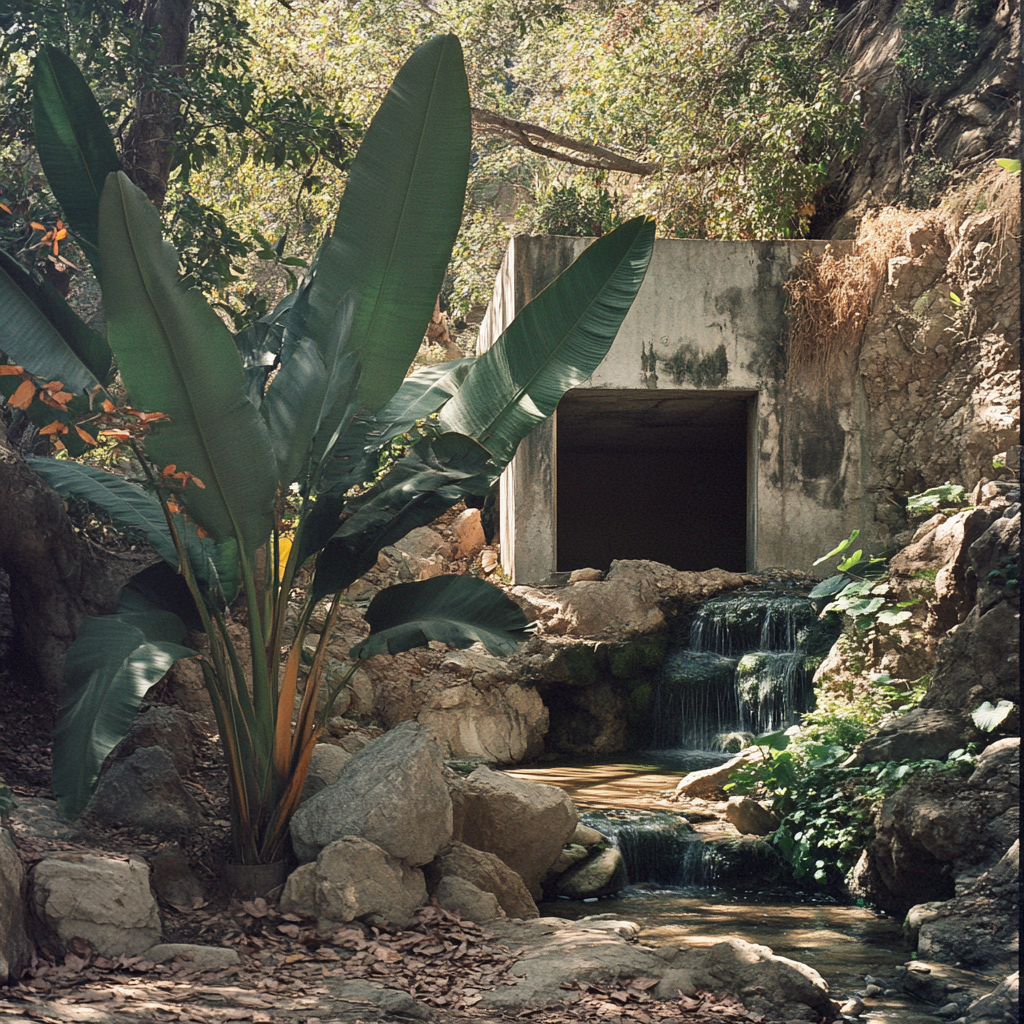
pixel 925 131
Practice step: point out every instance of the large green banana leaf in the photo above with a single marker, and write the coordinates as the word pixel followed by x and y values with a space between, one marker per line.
pixel 555 343
pixel 177 357
pixel 397 221
pixel 40 331
pixel 457 610
pixel 74 143
pixel 109 669
pixel 128 505
pixel 424 484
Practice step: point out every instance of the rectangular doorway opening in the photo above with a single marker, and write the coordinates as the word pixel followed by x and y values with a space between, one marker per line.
pixel 665 476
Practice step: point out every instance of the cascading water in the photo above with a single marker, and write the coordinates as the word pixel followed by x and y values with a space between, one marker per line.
pixel 742 667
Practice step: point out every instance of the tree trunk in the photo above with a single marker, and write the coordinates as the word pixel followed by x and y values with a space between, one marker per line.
pixel 57 578
pixel 148 148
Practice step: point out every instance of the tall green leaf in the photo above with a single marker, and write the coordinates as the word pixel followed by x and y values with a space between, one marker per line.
pixel 555 343
pixel 109 669
pixel 74 143
pixel 397 221
pixel 424 484
pixel 127 504
pixel 457 610
pixel 177 357
pixel 40 331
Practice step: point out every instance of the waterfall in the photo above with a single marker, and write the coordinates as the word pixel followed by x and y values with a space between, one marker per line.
pixel 740 668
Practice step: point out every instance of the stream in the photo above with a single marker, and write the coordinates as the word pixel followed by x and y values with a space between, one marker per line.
pixel 743 664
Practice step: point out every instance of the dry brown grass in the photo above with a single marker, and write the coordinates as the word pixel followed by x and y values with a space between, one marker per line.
pixel 832 296
pixel 992 201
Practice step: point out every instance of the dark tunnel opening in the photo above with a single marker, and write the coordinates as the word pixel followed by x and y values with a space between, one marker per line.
pixel 645 474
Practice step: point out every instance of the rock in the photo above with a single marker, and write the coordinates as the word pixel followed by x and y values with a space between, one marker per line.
pixel 707 784
pixel 172 729
pixel 584 835
pixel 173 880
pixel 585 576
pixel 524 823
pixel 936 829
pixel 462 897
pixel 105 901
pixel 145 791
pixel 420 543
pixel 937 983
pixel 466 537
pixel 572 853
pixel 853 1007
pixel 351 878
pixel 392 793
pixel 41 818
pixel 750 817
pixel 14 948
pixel 980 928
pixel 490 874
pixel 483 717
pixel 628 930
pixel 918 735
pixel 391 1001
pixel 1002 1003
pixel 324 767
pixel 633 599
pixel 198 957
pixel 601 874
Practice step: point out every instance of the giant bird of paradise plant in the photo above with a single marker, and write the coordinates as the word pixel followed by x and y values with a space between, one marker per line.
pixel 301 405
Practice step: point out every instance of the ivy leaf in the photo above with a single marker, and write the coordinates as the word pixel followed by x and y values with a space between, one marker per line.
pixel 988 718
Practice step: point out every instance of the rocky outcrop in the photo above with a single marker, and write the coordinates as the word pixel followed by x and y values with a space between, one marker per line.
pixel 352 878
pixel 487 873
pixel 940 832
pixel 524 823
pixel 392 793
pixel 105 901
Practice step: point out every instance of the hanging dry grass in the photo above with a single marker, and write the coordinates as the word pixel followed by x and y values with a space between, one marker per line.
pixel 992 202
pixel 832 296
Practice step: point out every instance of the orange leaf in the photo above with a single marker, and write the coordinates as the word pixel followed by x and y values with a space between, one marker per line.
pixel 170 470
pixel 108 405
pixel 22 398
pixel 57 401
pixel 5 208
pixel 85 436
pixel 36 225
pixel 56 427
pixel 54 385
pixel 10 371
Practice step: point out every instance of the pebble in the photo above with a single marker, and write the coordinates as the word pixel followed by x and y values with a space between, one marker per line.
pixel 949 1010
pixel 852 1008
pixel 873 990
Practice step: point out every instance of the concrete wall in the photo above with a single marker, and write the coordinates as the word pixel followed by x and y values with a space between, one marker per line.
pixel 708 324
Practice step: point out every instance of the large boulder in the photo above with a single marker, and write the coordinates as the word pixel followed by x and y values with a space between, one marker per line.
pixel 470 902
pixel 980 928
pixel 145 791
pixel 524 823
pixel 392 793
pixel 105 901
pixel 940 832
pixel 174 730
pixel 352 878
pixel 488 873
pixel 920 734
pixel 632 599
pixel 14 949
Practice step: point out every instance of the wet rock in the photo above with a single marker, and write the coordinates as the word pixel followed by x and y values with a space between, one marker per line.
pixel 571 854
pixel 392 793
pixel 1001 1004
pixel 601 874
pixel 107 902
pixel 14 948
pixel 750 817
pixel 524 823
pixel 145 791
pixel 352 878
pixel 490 874
pixel 707 783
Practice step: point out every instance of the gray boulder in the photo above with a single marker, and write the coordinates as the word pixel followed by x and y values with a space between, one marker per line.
pixel 464 898
pixel 918 735
pixel 490 874
pixel 392 793
pixel 324 768
pixel 351 878
pixel 107 902
pixel 145 791
pixel 172 729
pixel 601 874
pixel 14 949
pixel 524 823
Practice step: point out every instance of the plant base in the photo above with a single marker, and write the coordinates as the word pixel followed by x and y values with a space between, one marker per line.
pixel 249 881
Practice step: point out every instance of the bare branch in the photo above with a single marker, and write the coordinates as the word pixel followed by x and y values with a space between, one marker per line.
pixel 540 140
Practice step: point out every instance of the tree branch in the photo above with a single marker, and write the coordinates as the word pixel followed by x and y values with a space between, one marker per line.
pixel 540 140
